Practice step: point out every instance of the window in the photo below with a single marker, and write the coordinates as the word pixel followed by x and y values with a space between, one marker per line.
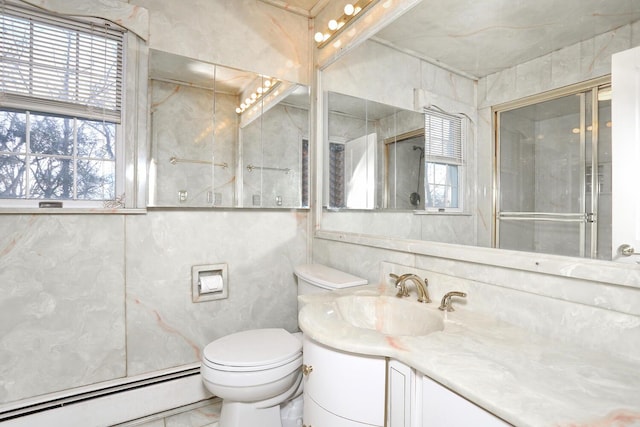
pixel 443 160
pixel 60 108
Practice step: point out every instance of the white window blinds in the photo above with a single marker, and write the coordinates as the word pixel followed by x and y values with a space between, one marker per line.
pixel 59 65
pixel 443 137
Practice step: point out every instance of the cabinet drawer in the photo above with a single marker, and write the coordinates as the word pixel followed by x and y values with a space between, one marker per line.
pixel 346 384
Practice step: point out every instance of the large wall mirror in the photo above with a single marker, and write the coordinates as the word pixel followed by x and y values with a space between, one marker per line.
pixel 223 137
pixel 370 150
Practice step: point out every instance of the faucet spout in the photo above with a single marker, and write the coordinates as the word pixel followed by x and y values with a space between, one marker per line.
pixel 420 285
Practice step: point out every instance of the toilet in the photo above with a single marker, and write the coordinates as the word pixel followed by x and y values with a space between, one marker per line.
pixel 257 373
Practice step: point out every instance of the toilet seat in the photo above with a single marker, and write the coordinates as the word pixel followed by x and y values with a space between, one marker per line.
pixel 252 350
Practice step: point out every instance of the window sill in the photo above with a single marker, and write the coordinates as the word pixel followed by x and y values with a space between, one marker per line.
pixel 70 211
pixel 450 213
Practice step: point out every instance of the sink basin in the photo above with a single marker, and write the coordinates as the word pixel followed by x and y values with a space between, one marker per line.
pixel 389 315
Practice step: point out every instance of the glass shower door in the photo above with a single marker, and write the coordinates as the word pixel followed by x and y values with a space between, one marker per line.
pixel 547 152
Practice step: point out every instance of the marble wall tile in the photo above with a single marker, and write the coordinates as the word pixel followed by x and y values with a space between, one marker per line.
pixel 483 185
pixel 375 72
pixel 245 34
pixel 572 64
pixel 497 87
pixel 533 76
pixel 182 127
pixel 566 65
pixel 164 327
pixel 274 141
pixel 61 303
pixel 597 62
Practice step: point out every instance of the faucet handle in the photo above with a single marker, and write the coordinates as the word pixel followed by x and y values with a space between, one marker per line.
pixel 399 282
pixel 445 304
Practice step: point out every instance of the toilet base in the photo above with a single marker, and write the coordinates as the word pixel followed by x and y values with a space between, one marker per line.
pixel 239 414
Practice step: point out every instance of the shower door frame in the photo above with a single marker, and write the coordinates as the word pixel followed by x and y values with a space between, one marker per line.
pixel 584 219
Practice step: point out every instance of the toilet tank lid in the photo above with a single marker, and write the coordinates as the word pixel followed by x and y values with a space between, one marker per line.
pixel 327 277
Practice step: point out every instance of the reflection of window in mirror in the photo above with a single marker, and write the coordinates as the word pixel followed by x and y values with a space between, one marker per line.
pixel 444 160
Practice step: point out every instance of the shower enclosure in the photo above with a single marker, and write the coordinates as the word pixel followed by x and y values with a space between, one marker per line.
pixel 404 180
pixel 553 174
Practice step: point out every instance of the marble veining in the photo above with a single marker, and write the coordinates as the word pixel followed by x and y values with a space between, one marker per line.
pixel 164 327
pixel 61 308
pixel 525 378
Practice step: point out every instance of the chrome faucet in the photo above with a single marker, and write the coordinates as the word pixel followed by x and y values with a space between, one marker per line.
pixel 445 304
pixel 421 286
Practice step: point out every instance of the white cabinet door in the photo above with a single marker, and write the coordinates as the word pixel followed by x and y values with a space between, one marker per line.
pixel 443 408
pixel 349 385
pixel 625 151
pixel 401 392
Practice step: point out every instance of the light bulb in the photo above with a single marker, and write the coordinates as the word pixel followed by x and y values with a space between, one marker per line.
pixel 238 110
pixel 243 105
pixel 348 9
pixel 318 37
pixel 254 96
pixel 260 90
pixel 267 83
pixel 333 24
pixel 247 101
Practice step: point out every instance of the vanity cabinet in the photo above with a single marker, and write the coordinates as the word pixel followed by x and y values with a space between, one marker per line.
pixel 417 400
pixel 342 389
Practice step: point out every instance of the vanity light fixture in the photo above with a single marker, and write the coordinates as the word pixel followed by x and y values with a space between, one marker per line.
pixel 261 91
pixel 334 26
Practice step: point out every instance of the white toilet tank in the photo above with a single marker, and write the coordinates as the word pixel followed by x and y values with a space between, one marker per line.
pixel 315 278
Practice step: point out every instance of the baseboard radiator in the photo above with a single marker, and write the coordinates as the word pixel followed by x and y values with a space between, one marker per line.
pixel 109 403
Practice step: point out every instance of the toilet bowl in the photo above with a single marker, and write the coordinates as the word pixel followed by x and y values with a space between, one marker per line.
pixel 257 373
pixel 254 372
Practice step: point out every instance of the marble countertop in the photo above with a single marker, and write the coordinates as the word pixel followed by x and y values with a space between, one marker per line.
pixel 523 378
